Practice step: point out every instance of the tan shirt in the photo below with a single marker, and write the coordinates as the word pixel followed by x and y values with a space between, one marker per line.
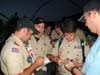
pixel 70 50
pixel 42 47
pixel 14 56
pixel 54 35
pixel 79 33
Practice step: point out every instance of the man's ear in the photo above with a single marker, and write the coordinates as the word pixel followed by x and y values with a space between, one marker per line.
pixel 93 14
pixel 25 30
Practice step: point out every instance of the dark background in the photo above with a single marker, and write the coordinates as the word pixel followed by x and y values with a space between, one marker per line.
pixel 51 10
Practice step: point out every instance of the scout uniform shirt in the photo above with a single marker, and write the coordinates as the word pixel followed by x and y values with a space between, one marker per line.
pixel 71 50
pixel 42 47
pixel 79 33
pixel 54 35
pixel 14 57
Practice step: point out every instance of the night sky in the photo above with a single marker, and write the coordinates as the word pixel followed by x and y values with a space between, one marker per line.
pixel 49 9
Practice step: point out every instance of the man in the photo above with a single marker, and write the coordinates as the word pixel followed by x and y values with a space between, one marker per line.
pixel 70 46
pixel 40 43
pixel 57 32
pixel 92 19
pixel 47 30
pixel 15 59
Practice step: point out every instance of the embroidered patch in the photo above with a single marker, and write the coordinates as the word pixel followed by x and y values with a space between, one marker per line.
pixel 16 50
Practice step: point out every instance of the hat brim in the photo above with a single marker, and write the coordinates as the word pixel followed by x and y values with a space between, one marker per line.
pixel 81 19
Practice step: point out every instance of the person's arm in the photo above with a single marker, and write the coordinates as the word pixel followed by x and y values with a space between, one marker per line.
pixel 76 71
pixel 53 58
pixel 72 68
pixel 39 61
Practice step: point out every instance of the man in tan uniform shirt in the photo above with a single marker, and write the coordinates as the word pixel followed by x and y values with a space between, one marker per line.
pixel 57 33
pixel 15 60
pixel 70 47
pixel 40 43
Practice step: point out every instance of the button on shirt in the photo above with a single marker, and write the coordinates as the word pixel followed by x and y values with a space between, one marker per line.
pixel 42 47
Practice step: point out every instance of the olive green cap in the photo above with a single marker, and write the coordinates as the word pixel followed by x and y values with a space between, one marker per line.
pixel 26 23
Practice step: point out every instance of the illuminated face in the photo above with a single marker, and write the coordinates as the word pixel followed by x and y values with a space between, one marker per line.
pixel 40 27
pixel 27 35
pixel 58 30
pixel 48 30
pixel 69 36
pixel 91 22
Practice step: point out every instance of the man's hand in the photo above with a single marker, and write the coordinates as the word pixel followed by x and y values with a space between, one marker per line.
pixel 28 71
pixel 55 59
pixel 58 60
pixel 77 63
pixel 69 64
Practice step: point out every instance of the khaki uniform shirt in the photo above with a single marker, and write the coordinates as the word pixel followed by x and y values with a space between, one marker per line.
pixel 54 35
pixel 42 47
pixel 80 34
pixel 71 50
pixel 14 56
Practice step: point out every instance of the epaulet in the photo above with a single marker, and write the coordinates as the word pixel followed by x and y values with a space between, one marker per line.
pixel 15 43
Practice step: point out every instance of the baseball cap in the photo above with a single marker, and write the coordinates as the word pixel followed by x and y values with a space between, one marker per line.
pixel 94 4
pixel 38 20
pixel 26 23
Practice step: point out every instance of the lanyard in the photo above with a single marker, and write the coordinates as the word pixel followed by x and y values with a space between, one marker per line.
pixel 29 50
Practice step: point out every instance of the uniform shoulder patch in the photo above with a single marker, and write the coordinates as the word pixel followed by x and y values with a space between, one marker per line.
pixel 15 43
pixel 16 50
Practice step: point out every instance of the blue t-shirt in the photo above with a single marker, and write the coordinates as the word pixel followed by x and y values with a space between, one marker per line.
pixel 92 63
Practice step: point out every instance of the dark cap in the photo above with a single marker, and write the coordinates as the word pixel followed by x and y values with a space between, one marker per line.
pixel 26 23
pixel 94 4
pixel 69 26
pixel 39 20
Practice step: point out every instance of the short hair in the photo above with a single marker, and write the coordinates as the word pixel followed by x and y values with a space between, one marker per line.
pixel 47 25
pixel 39 20
pixel 58 24
pixel 69 26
